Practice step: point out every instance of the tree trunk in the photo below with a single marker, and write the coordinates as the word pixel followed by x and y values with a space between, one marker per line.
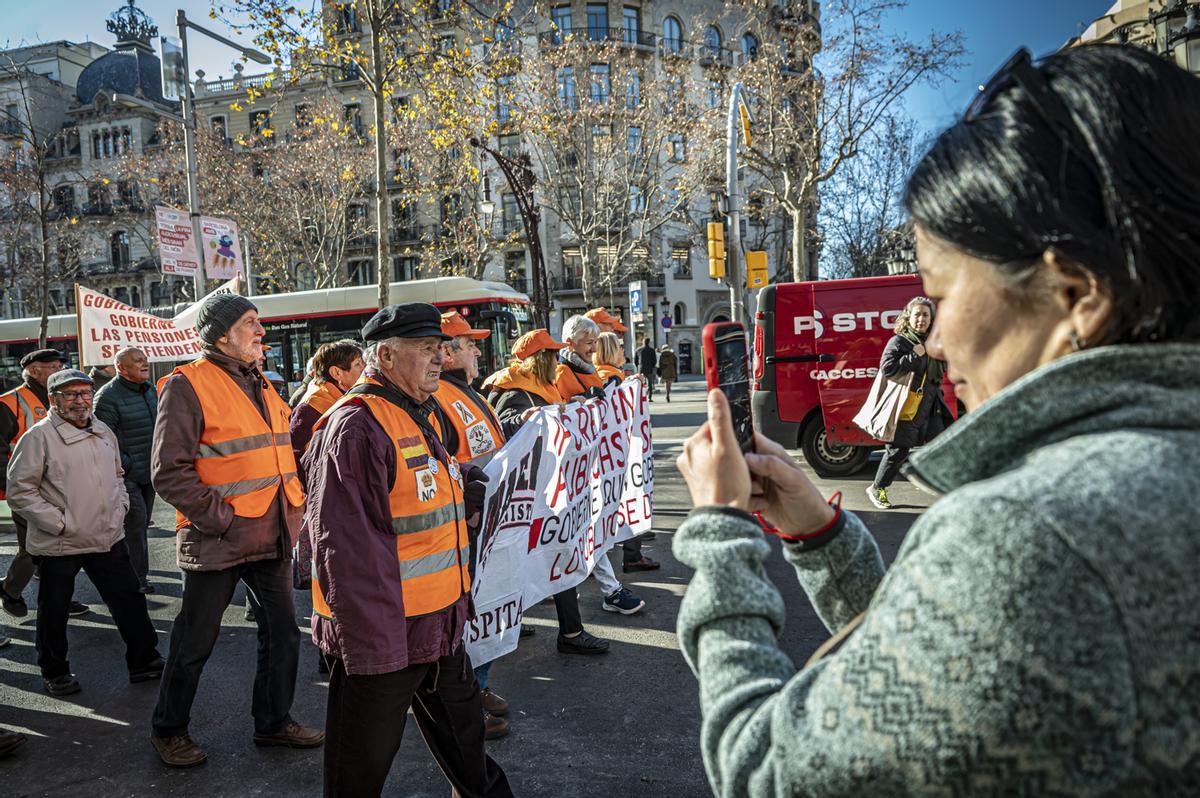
pixel 799 256
pixel 44 249
pixel 382 244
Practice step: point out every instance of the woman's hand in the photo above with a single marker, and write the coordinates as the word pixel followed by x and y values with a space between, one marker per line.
pixel 528 414
pixel 919 350
pixel 712 463
pixel 784 494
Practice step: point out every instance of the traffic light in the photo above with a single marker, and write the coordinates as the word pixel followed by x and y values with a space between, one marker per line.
pixel 716 250
pixel 756 269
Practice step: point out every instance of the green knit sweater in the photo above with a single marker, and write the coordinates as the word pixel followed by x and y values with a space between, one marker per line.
pixel 1037 634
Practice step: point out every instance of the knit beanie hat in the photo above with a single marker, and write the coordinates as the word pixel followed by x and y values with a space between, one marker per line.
pixel 218 313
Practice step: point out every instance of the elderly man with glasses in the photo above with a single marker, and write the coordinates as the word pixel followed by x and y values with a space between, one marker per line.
pixel 66 481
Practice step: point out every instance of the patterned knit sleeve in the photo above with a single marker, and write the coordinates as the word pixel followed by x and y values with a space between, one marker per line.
pixel 992 660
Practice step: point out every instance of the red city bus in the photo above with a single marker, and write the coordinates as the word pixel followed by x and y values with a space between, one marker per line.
pixel 816 351
pixel 297 323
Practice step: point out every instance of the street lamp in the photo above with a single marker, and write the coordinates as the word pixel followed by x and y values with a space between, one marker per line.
pixel 189 131
pixel 665 304
pixel 1184 44
pixel 521 180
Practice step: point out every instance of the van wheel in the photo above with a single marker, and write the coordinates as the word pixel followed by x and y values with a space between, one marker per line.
pixel 830 459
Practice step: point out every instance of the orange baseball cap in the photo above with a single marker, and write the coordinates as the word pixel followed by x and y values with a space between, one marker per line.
pixel 533 342
pixel 454 325
pixel 602 316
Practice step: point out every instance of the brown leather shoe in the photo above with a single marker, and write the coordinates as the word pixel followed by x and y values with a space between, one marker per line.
pixel 494 727
pixel 493 703
pixel 178 752
pixel 292 735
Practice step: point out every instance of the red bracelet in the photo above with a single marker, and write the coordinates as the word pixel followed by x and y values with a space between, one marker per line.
pixel 837 514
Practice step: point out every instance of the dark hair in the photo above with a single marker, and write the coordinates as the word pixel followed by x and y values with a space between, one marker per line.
pixel 1008 185
pixel 335 353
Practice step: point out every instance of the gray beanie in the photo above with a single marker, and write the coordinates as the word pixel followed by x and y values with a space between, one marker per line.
pixel 218 313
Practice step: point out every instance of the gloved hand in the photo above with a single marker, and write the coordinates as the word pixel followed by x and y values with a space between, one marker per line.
pixel 474 489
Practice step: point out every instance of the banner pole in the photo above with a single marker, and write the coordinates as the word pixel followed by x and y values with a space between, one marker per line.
pixel 78 326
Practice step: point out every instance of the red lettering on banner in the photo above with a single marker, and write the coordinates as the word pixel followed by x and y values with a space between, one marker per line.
pixel 535 531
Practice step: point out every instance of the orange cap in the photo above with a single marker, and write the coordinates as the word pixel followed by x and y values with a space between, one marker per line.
pixel 533 342
pixel 454 325
pixel 602 316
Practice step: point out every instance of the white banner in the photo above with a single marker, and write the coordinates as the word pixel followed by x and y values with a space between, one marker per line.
pixel 107 326
pixel 177 247
pixel 574 481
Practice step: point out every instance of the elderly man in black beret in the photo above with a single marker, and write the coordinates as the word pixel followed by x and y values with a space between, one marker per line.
pixel 221 455
pixel 387 510
pixel 20 409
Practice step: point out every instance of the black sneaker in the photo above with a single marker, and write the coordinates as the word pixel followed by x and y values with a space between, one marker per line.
pixel 623 601
pixel 582 643
pixel 62 685
pixel 14 606
pixel 77 608
pixel 152 671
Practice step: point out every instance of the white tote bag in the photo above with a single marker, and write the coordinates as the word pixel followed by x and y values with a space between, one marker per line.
pixel 881 412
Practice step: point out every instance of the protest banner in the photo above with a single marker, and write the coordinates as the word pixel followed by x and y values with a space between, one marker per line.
pixel 177 247
pixel 571 483
pixel 107 326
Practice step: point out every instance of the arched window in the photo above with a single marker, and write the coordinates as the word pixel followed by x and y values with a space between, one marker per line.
pixel 750 46
pixel 680 313
pixel 672 35
pixel 712 41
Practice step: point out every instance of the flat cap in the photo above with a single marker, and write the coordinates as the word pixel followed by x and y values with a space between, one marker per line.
pixel 43 356
pixel 65 377
pixel 406 320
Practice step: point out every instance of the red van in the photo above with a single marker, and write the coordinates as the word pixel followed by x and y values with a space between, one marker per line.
pixel 816 350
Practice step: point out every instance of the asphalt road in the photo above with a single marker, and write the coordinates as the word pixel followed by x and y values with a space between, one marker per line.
pixel 626 723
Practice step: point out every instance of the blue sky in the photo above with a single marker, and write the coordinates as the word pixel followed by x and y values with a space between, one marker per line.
pixel 992 31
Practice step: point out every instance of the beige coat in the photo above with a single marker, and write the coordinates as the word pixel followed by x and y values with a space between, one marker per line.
pixel 68 484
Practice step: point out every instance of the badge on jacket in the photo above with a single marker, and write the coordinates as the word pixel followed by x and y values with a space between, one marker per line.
pixel 479 438
pixel 426 485
pixel 466 415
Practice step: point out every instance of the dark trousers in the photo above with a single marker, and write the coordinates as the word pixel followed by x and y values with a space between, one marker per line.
pixel 365 719
pixel 22 569
pixel 206 594
pixel 889 466
pixel 566 604
pixel 137 520
pixel 113 578
pixel 631 550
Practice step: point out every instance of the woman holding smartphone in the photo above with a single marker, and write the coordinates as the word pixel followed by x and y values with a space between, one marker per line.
pixel 1034 635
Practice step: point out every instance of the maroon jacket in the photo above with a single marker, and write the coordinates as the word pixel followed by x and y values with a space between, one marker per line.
pixel 217 539
pixel 350 467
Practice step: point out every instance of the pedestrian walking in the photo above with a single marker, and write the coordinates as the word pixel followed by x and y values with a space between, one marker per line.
pixel 646 360
pixel 668 368
pixel 20 409
pixel 129 405
pixel 517 392
pixel 223 458
pixel 1032 635
pixel 576 377
pixel 904 354
pixel 388 513
pixel 66 480
pixel 473 434
pixel 336 366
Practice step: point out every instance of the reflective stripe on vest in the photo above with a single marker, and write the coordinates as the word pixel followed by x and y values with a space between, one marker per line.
pixel 428 518
pixel 479 435
pixel 239 456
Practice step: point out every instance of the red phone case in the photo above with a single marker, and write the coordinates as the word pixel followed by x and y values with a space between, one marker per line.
pixel 712 374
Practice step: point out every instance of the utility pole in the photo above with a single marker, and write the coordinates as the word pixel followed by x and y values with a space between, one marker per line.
pixel 189 153
pixel 737 261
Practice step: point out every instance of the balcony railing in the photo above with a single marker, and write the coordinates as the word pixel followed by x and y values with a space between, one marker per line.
pixel 566 282
pixel 520 284
pixel 238 84
pixel 627 37
pixel 361 241
pixel 10 127
pixel 715 56
pixel 97 209
pixel 404 235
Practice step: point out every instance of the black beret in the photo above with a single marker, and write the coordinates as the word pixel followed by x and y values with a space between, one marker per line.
pixel 43 356
pixel 409 320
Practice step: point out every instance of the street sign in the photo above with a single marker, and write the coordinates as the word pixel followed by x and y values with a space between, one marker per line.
pixel 637 301
pixel 174 80
pixel 666 322
pixel 177 249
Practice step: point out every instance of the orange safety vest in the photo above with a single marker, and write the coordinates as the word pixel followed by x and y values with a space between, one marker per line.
pixel 321 397
pixel 478 430
pixel 513 379
pixel 241 457
pixel 607 372
pixel 26 408
pixel 571 383
pixel 428 517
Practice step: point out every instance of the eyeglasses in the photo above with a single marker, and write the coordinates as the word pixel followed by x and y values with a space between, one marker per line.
pixel 72 396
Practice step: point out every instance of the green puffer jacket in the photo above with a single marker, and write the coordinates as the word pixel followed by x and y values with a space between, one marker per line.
pixel 1036 634
pixel 130 410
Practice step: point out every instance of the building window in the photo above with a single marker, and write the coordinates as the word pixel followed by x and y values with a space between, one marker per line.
pixel 510 145
pixel 356 218
pixel 631 22
pixel 352 116
pixel 561 17
pixel 504 108
pixel 713 94
pixel 510 214
pixel 680 313
pixel 98 198
pixel 259 122
pixel 566 88
pixel 672 35
pixel 404 268
pixel 681 260
pixel 637 199
pixel 601 83
pixel 572 267
pixel 633 90
pixel 402 158
pixel 118 246
pixel 219 125
pixel 597 22
pixel 633 142
pixel 347 18
pixel 712 42
pixel 361 272
pixel 306 277
pixel 303 114
pixel 750 47
pixel 451 209
pixel 446 43
pixel 64 199
pixel 404 220
pixel 677 146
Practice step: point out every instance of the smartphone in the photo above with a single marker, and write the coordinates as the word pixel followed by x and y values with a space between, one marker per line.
pixel 726 367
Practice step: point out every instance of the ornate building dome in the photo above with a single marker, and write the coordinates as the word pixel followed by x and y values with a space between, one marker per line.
pixel 132 68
